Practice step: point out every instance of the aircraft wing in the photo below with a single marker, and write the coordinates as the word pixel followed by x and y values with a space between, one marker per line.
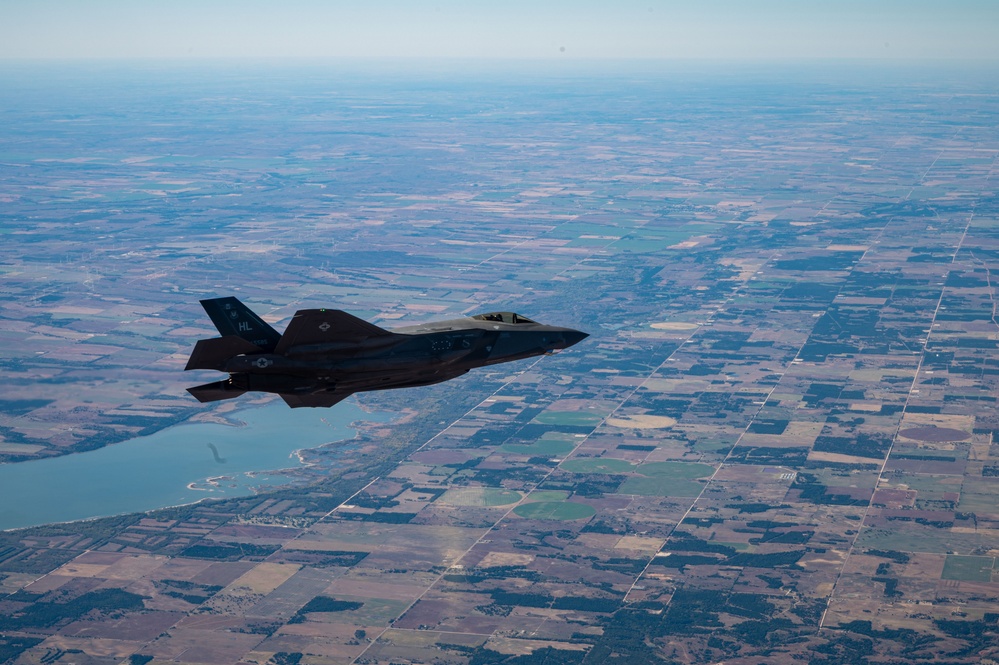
pixel 213 392
pixel 323 326
pixel 314 399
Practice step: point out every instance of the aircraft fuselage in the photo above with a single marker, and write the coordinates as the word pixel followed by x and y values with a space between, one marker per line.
pixel 326 355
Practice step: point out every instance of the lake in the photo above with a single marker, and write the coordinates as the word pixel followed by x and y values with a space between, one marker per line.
pixel 178 465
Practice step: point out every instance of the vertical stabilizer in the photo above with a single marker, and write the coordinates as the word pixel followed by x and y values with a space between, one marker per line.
pixel 232 317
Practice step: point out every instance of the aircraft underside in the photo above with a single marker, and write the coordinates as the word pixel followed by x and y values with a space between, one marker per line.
pixel 299 391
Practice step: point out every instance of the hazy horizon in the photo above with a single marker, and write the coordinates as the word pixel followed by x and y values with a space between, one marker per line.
pixel 714 30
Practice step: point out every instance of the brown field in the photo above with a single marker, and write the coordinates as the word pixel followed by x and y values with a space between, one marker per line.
pixel 641 422
pixel 261 579
pixel 674 325
pixel 820 456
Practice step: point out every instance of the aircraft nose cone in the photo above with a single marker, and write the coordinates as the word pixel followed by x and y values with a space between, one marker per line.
pixel 573 337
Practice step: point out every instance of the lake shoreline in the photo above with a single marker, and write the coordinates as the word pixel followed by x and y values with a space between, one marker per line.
pixel 173 466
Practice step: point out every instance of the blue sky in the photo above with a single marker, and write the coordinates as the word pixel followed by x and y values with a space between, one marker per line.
pixel 746 29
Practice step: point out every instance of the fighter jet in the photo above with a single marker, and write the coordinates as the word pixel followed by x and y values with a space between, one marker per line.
pixel 326 355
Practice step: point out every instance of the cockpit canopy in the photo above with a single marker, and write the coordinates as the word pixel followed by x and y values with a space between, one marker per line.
pixel 503 317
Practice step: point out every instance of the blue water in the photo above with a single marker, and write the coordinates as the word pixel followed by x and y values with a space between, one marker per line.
pixel 178 465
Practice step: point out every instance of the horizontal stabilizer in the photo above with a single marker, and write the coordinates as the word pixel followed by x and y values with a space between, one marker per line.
pixel 213 353
pixel 213 392
pixel 313 399
pixel 324 326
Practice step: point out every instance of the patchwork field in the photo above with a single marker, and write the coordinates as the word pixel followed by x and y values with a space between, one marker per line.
pixel 777 444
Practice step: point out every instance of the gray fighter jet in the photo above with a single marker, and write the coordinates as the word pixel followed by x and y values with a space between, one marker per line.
pixel 326 355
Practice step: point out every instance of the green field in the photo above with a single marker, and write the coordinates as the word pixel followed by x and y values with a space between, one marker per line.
pixel 587 242
pixel 554 510
pixel 930 488
pixel 573 418
pixel 979 495
pixel 676 470
pixel 547 495
pixel 540 448
pixel 598 465
pixel 920 538
pixel 655 486
pixel 480 496
pixel 373 611
pixel 647 241
pixel 655 479
pixel 978 503
pixel 708 445
pixel 667 479
pixel 968 568
pixel 711 441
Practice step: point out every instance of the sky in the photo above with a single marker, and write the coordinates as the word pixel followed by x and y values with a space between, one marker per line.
pixel 513 29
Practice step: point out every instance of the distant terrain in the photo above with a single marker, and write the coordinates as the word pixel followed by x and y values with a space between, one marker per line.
pixel 776 445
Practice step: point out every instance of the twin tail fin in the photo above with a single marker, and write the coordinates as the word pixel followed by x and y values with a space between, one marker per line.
pixel 232 317
pixel 245 333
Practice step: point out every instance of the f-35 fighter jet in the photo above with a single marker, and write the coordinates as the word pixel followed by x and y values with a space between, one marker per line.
pixel 326 355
